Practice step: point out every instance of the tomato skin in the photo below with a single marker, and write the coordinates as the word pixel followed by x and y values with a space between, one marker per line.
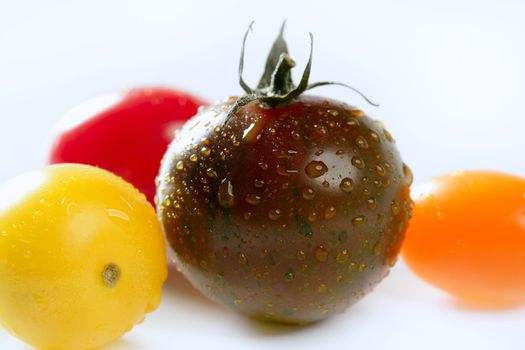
pixel 467 236
pixel 126 133
pixel 62 229
pixel 281 213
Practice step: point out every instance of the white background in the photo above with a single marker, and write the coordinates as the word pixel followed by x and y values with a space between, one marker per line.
pixel 449 75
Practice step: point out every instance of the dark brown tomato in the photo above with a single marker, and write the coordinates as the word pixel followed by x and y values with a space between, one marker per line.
pixel 290 214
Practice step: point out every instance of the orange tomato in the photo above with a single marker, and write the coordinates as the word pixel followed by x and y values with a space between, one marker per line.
pixel 467 236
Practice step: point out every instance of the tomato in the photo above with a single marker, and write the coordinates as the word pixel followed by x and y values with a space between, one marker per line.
pixel 467 236
pixel 126 133
pixel 288 212
pixel 82 257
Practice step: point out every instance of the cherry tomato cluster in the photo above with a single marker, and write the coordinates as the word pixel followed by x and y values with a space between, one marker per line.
pixel 279 205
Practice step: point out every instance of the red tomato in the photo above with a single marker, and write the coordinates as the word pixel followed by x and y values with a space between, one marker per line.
pixel 126 133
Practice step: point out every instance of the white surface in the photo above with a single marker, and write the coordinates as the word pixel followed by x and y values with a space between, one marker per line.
pixel 450 77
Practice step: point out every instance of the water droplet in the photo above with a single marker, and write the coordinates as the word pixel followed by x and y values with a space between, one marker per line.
pixel 339 152
pixel 295 135
pixel 319 152
pixel 361 142
pixel 329 212
pixel 342 256
pixel 352 122
pixel 325 184
pixel 380 170
pixel 395 207
pixel 247 215
pixel 253 199
pixel 346 185
pixel 211 173
pixel 206 151
pixel 242 258
pixel 377 249
pixel 237 301
pixel 289 276
pixel 358 220
pixel 251 132
pixel 263 166
pixel 180 165
pixel 321 288
pixel 320 253
pixel 194 158
pixel 300 255
pixel 225 194
pixel 389 167
pixel 316 168
pixel 258 183
pixel 274 214
pixel 362 267
pixel 281 170
pixel 217 129
pixel 371 203
pixel 352 266
pixel 388 135
pixel 358 162
pixel 312 216
pixel 374 136
pixel 308 193
pixel 320 130
pixel 409 177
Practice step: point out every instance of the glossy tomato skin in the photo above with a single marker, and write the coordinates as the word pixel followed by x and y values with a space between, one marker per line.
pixel 82 257
pixel 467 236
pixel 289 214
pixel 126 133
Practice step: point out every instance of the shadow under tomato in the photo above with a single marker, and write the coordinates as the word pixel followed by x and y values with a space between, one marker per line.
pixel 123 344
pixel 271 329
pixel 484 306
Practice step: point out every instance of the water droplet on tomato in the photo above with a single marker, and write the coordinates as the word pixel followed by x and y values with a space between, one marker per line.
pixel 346 185
pixel 380 170
pixel 395 207
pixel 342 256
pixel 211 173
pixel 274 214
pixel 329 212
pixel 225 195
pixel 289 276
pixel 358 220
pixel 409 177
pixel 308 193
pixel 358 162
pixel 320 253
pixel 300 255
pixel 253 199
pixel 206 151
pixel 315 169
pixel 361 142
pixel 241 258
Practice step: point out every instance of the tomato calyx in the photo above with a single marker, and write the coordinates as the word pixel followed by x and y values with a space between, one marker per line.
pixel 276 87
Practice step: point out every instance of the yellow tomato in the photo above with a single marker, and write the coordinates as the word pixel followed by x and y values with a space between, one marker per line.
pixel 82 257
